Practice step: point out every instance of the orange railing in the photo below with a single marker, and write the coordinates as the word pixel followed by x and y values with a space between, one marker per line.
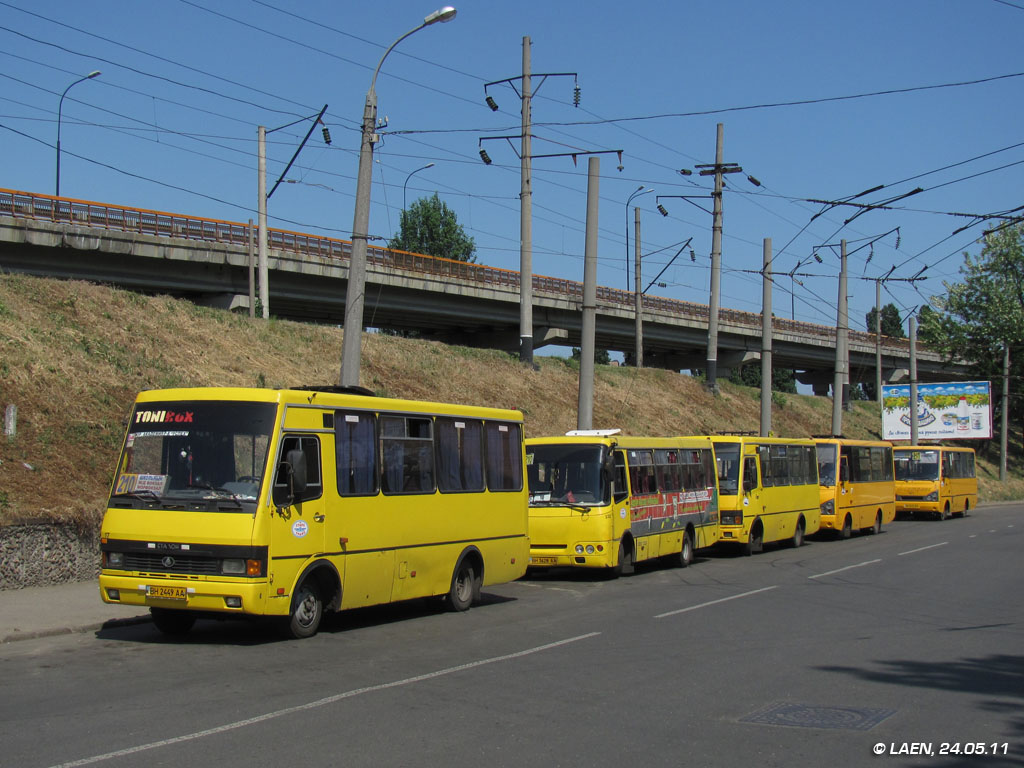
pixel 161 224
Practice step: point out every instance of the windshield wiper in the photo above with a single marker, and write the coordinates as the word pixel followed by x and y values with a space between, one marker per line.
pixel 216 489
pixel 145 494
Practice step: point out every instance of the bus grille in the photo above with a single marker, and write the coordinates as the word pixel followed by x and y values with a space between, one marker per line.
pixel 154 563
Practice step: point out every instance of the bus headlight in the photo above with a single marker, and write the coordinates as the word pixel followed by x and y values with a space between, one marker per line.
pixel 933 496
pixel 579 549
pixel 114 559
pixel 828 507
pixel 590 549
pixel 233 567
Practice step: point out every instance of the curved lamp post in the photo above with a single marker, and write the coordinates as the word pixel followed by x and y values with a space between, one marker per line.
pixel 428 165
pixel 60 109
pixel 354 294
pixel 641 190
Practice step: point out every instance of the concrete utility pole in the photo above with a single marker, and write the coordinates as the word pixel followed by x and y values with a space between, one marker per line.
pixel 252 270
pixel 840 387
pixel 717 170
pixel 1004 420
pixel 638 295
pixel 351 343
pixel 878 343
pixel 262 208
pixel 526 222
pixel 913 379
pixel 585 407
pixel 766 340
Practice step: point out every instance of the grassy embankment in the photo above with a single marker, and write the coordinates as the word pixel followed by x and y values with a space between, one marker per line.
pixel 73 355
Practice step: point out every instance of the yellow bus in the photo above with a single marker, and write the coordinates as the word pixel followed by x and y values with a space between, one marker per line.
pixel 290 503
pixel 768 490
pixel 856 485
pixel 602 500
pixel 937 479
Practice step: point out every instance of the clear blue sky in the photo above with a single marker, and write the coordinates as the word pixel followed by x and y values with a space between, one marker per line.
pixel 171 124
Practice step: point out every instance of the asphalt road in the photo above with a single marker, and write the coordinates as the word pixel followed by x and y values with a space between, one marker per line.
pixel 796 657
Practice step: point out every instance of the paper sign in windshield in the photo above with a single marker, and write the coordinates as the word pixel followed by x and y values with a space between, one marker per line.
pixel 131 483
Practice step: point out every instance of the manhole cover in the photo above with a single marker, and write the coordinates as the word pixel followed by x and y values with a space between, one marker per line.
pixel 806 716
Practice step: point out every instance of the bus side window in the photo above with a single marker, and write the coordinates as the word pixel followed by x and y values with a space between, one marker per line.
pixel 844 470
pixel 620 488
pixel 309 445
pixel 749 474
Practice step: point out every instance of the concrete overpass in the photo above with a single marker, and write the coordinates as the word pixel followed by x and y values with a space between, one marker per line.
pixel 208 261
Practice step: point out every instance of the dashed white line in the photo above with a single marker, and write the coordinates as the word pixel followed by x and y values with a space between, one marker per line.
pixel 922 549
pixel 713 602
pixel 318 703
pixel 840 570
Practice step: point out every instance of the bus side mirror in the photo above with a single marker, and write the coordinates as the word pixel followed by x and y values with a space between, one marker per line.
pixel 844 472
pixel 295 466
pixel 749 484
pixel 291 474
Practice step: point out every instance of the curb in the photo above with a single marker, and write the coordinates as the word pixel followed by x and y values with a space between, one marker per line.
pixel 96 627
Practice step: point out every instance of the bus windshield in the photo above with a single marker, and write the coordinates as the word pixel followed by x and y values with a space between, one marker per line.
pixel 566 474
pixel 826 464
pixel 195 450
pixel 916 465
pixel 727 456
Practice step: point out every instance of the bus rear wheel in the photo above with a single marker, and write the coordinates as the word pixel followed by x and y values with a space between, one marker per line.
pixel 847 529
pixel 685 556
pixel 877 527
pixel 463 588
pixel 798 535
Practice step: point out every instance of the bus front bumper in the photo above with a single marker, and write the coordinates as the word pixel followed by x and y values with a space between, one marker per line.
pixel 220 596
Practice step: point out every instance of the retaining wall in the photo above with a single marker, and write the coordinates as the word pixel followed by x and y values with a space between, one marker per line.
pixel 39 554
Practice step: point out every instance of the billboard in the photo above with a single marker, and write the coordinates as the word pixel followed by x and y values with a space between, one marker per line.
pixel 957 410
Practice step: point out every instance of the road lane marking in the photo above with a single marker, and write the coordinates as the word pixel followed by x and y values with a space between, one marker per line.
pixel 318 703
pixel 922 549
pixel 713 602
pixel 840 570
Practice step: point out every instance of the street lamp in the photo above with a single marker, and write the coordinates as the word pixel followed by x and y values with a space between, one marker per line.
pixel 639 191
pixel 354 294
pixel 428 165
pixel 60 108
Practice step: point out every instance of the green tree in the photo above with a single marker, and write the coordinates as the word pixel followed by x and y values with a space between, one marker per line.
pixel 980 315
pixel 891 323
pixel 601 356
pixel 783 379
pixel 429 226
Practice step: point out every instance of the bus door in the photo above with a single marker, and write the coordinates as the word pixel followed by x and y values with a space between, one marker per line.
pixel 753 504
pixel 298 510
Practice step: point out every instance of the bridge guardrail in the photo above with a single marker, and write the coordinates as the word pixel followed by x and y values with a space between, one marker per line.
pixel 160 224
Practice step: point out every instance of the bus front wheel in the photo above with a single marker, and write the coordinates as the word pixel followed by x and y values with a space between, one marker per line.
pixel 755 543
pixel 307 611
pixel 171 621
pixel 625 564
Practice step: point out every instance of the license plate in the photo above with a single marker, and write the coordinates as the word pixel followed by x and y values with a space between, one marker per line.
pixel 165 593
pixel 543 560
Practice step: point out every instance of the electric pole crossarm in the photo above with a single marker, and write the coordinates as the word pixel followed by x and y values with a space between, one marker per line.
pixel 292 161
